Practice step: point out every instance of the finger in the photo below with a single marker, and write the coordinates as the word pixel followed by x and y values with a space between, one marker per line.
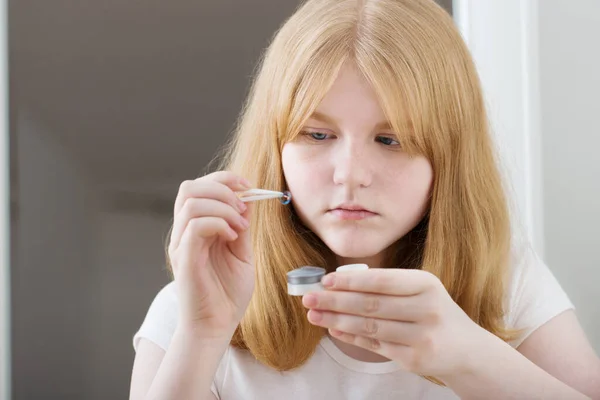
pixel 219 186
pixel 196 232
pixel 399 282
pixel 380 329
pixel 399 308
pixel 368 343
pixel 197 208
pixel 228 178
pixel 408 357
pixel 401 353
pixel 242 248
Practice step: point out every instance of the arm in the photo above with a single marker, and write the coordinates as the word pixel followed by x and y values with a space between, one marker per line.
pixel 210 254
pixel 554 362
pixel 561 348
pixel 185 371
pixel 409 317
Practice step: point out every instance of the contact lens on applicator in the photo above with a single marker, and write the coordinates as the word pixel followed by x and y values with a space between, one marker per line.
pixel 262 194
pixel 286 198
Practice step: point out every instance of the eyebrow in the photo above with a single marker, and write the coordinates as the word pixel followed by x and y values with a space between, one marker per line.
pixel 317 116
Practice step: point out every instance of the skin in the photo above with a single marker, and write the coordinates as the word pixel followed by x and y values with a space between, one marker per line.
pixel 345 157
pixel 401 315
pixel 348 158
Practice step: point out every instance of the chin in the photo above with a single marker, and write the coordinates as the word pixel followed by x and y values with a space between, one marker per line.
pixel 354 247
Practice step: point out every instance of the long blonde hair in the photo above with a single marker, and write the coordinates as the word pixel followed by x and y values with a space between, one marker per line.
pixel 415 59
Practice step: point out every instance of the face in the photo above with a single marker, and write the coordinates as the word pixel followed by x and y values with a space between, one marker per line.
pixel 351 182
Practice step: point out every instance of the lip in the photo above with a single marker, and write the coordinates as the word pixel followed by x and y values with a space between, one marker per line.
pixel 351 212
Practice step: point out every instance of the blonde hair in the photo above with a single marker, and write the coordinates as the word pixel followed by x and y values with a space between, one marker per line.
pixel 415 59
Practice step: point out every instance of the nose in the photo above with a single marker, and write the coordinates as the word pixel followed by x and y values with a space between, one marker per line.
pixel 352 166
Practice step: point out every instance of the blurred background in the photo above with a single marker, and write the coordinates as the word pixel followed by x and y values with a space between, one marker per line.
pixel 113 103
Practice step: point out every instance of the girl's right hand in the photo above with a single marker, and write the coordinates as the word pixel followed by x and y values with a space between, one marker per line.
pixel 211 255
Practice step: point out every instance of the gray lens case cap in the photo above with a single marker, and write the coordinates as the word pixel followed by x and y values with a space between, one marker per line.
pixel 305 275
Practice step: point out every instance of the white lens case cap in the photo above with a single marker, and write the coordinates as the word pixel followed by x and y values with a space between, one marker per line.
pixel 352 267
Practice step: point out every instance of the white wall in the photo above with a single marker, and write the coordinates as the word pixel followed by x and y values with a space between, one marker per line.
pixel 570 105
pixel 539 63
pixel 501 36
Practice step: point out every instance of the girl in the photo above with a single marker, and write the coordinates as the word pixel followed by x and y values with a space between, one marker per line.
pixel 371 114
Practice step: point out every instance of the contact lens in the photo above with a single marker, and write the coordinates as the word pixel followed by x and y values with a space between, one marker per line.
pixel 287 197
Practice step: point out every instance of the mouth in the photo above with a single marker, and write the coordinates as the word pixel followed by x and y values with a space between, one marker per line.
pixel 351 212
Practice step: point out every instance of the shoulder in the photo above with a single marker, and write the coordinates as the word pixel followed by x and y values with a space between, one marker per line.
pixel 534 296
pixel 160 320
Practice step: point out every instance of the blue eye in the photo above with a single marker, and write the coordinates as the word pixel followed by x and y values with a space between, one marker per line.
pixel 315 136
pixel 386 140
pixel 318 135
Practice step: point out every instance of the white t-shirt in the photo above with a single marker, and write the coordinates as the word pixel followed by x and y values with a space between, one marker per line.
pixel 534 297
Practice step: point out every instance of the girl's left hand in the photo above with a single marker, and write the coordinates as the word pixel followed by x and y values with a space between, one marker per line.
pixel 404 315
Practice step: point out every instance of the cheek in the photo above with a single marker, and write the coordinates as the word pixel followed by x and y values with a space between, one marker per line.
pixel 422 173
pixel 413 184
pixel 301 170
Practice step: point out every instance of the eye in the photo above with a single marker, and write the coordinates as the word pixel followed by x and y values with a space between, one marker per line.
pixel 387 140
pixel 317 136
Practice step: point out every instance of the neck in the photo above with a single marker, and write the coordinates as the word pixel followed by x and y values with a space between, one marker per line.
pixel 376 261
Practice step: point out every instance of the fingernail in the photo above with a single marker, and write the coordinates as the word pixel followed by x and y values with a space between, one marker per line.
pixel 335 332
pixel 309 300
pixel 315 316
pixel 241 206
pixel 244 222
pixel 328 280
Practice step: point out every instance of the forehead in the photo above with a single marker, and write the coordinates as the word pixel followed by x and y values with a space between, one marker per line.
pixel 351 100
